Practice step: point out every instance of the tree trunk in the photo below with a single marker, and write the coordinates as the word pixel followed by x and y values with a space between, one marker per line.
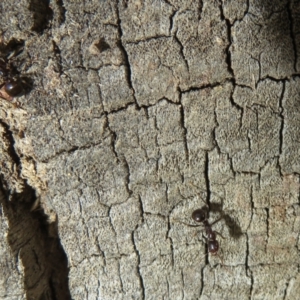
pixel 133 115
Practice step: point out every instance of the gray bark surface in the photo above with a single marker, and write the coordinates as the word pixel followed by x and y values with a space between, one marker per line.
pixel 136 113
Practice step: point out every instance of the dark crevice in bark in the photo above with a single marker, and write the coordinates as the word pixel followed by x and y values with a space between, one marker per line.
pixel 42 15
pixel 249 142
pixel 127 177
pixel 171 21
pixel 185 133
pixel 234 104
pixel 69 151
pixel 57 53
pixel 275 79
pixel 248 269
pixel 258 60
pixel 168 2
pixel 171 243
pixel 181 51
pixel 200 9
pixel 124 107
pixel 33 237
pixel 207 181
pixel 138 269
pixel 182 280
pixel 231 165
pixel 61 11
pixel 120 276
pixel 164 99
pixel 11 149
pixel 202 280
pixel 204 86
pixel 281 127
pixel 285 291
pixel 148 39
pixel 141 208
pixel 267 222
pixel 293 37
pixel 168 287
pixel 214 135
pixel 246 12
pixel 113 140
pixel 36 241
pixel 228 54
pixel 123 50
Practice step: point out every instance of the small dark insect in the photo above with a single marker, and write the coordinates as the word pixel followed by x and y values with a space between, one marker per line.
pixel 12 85
pixel 200 216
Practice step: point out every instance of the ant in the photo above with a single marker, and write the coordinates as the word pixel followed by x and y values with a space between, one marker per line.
pixel 12 87
pixel 200 216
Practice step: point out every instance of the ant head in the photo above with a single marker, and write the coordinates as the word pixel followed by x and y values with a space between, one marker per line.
pixel 199 215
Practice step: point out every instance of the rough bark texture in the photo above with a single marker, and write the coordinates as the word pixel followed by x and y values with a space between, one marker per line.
pixel 136 113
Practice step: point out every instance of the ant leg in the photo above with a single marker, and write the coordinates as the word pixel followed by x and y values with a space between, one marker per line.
pixel 198 194
pixel 221 257
pixel 190 225
pixel 218 233
pixel 198 233
pixel 214 222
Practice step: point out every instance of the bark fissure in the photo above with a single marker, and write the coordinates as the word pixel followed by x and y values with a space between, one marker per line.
pixel 125 54
pixel 40 244
pixel 293 37
pixel 229 37
pixel 185 133
pixel 281 131
pixel 138 268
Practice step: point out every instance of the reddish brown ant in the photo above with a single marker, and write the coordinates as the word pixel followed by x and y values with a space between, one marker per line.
pixel 11 87
pixel 200 216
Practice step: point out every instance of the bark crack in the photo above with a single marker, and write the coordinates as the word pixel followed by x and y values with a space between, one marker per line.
pixel 293 36
pixel 138 268
pixel 207 181
pixel 181 51
pixel 281 131
pixel 185 133
pixel 44 260
pixel 229 36
pixel 125 54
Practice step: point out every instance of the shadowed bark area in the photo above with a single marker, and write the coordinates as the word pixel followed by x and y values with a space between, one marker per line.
pixel 135 114
pixel 35 249
pixel 35 244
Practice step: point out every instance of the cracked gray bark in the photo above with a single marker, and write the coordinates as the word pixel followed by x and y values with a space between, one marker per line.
pixel 141 112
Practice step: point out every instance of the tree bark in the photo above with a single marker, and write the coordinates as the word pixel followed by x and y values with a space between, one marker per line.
pixel 134 114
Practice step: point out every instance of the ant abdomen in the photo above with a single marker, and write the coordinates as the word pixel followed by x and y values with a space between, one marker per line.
pixel 13 87
pixel 213 247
